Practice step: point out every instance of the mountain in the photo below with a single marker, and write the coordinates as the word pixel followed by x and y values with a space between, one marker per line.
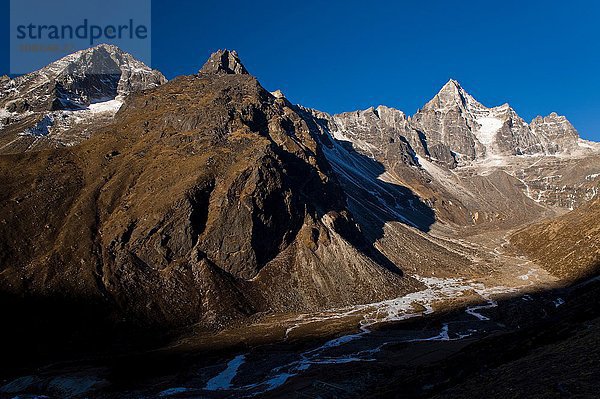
pixel 205 200
pixel 224 62
pixel 88 76
pixel 454 137
pixel 457 124
pixel 557 132
pixel 55 105
pixel 207 203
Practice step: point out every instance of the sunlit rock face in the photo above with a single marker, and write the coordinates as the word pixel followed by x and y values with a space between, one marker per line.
pixel 471 131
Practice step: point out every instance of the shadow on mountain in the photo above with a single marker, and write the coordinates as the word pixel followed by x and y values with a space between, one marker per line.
pixel 372 200
pixel 38 329
pixel 529 345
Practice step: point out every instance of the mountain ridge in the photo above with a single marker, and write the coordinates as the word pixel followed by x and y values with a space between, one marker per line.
pixel 209 201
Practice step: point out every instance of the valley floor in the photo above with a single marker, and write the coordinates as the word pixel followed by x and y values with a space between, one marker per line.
pixel 453 338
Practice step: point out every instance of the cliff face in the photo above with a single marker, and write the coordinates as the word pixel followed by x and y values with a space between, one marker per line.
pixel 456 122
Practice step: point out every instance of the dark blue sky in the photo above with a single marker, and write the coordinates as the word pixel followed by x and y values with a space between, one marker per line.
pixel 539 56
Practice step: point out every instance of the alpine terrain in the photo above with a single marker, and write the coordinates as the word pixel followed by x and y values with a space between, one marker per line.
pixel 203 237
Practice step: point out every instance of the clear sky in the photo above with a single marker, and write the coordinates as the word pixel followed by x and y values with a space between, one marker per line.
pixel 539 56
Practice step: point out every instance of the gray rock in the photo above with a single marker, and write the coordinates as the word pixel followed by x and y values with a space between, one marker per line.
pixel 454 119
pixel 448 119
pixel 224 62
pixel 557 133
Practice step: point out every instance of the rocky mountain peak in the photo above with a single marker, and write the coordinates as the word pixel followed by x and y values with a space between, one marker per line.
pixel 458 123
pixel 557 133
pixel 553 120
pixel 452 96
pixel 553 117
pixel 97 74
pixel 452 86
pixel 224 62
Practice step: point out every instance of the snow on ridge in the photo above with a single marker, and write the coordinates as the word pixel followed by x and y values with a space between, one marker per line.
pixel 105 106
pixel 57 121
pixel 4 113
pixel 591 145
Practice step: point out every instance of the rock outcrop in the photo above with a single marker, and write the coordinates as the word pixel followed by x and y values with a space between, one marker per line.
pixel 224 62
pixel 557 133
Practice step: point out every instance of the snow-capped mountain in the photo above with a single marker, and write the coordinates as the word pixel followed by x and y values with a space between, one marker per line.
pixel 86 87
pixel 471 131
pixel 454 137
pixel 454 129
pixel 96 74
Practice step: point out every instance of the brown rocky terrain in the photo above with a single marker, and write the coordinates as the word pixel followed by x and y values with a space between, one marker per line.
pixel 568 246
pixel 206 200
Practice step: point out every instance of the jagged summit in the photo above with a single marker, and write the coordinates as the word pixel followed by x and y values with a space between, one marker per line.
pixel 452 85
pixel 58 104
pixel 558 132
pixel 452 95
pixel 461 125
pixel 95 74
pixel 224 62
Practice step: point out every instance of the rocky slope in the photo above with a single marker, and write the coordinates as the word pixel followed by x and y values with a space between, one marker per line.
pixel 206 200
pixel 568 246
pixel 373 151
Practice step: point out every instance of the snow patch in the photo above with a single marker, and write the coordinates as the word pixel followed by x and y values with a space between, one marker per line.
pixel 489 127
pixel 473 310
pixel 223 379
pixel 174 391
pixel 42 128
pixel 105 106
pixel 558 302
pixel 591 145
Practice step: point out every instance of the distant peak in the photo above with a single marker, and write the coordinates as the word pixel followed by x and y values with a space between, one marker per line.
pixel 224 62
pixel 453 86
pixel 553 117
pixel 452 83
pixel 109 47
pixel 452 94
